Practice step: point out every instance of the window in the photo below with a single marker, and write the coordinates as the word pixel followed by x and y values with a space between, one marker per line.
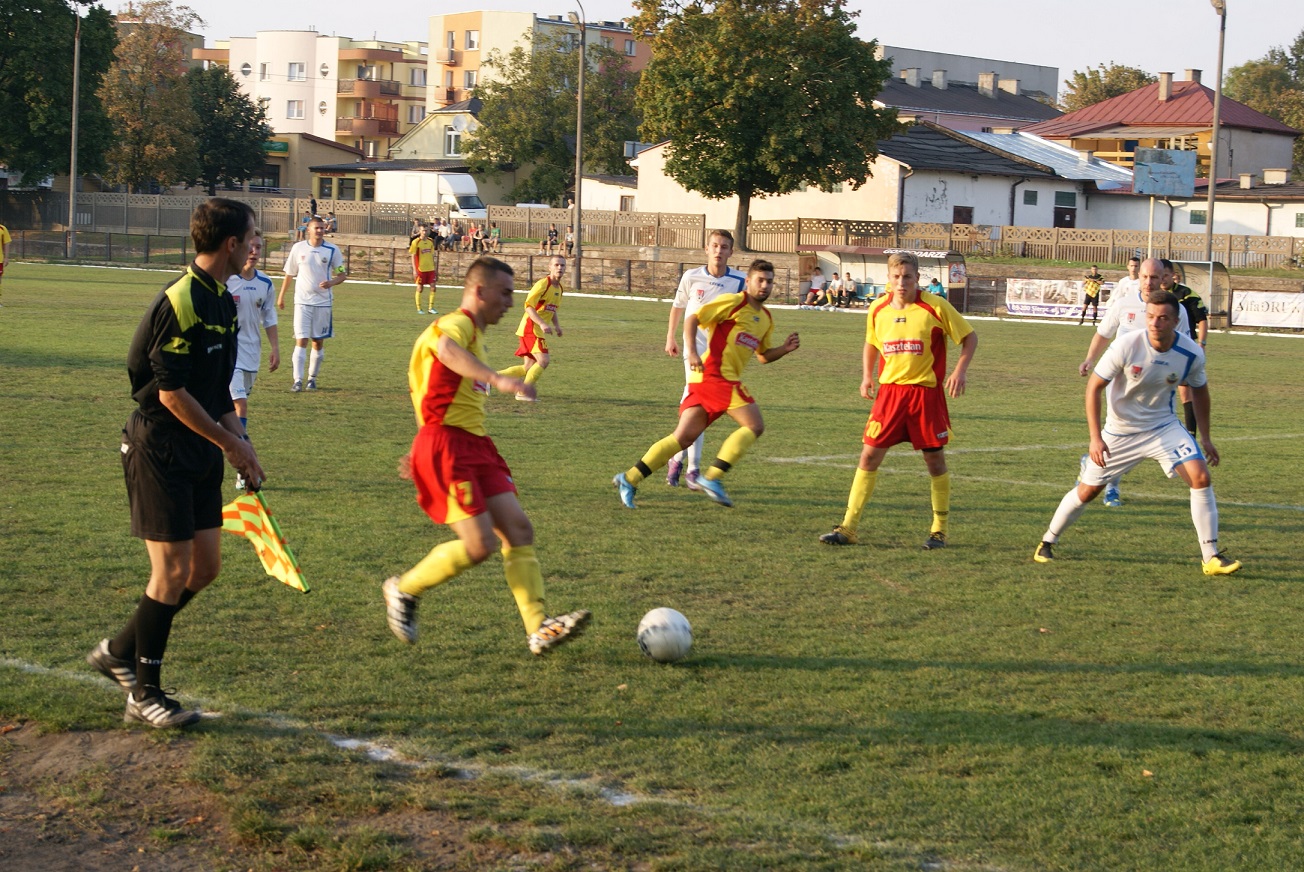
pixel 472 39
pixel 1299 219
pixel 468 78
pixel 1199 216
pixel 415 114
pixel 1030 198
pixel 1066 199
pixel 629 47
pixel 325 189
pixel 626 203
pixel 366 73
pixel 452 142
pixel 418 77
pixel 264 73
pixel 293 108
pixel 448 78
pixel 368 190
pixel 370 148
pixel 267 179
pixel 348 189
pixel 962 215
pixel 297 73
pixel 452 40
pixel 608 42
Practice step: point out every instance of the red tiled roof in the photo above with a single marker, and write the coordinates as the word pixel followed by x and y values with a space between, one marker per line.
pixel 1190 104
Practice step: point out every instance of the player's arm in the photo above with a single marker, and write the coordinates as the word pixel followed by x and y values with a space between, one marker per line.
pixel 792 343
pixel 540 325
pixel 672 330
pixel 556 323
pixel 869 362
pixel 955 383
pixel 285 286
pixel 467 365
pixel 1200 405
pixel 274 349
pixel 690 342
pixel 1095 391
pixel 228 434
pixel 1098 344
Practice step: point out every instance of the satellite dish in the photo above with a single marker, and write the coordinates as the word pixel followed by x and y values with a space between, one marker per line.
pixel 459 123
pixel 472 126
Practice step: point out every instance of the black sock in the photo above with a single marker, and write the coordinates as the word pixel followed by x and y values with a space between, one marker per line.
pixel 153 625
pixel 1189 409
pixel 123 645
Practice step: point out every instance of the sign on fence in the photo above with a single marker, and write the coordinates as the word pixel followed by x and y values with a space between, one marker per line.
pixel 1046 298
pixel 1268 309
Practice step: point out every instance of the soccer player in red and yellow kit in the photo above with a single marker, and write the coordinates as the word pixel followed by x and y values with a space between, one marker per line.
pixel 424 272
pixel 738 326
pixel 905 341
pixel 539 320
pixel 461 479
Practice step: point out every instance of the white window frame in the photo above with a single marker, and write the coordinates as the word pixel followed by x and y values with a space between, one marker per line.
pixel 293 106
pixel 472 40
pixel 631 48
pixel 296 71
pixel 470 78
pixel 264 72
pixel 418 77
pixel 416 114
pixel 452 141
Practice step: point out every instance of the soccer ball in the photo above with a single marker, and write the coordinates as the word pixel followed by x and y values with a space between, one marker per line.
pixel 665 635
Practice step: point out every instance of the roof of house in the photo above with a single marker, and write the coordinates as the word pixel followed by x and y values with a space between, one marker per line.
pixel 1189 109
pixel 371 166
pixel 1067 163
pixel 471 106
pixel 958 98
pixel 933 147
pixel 608 179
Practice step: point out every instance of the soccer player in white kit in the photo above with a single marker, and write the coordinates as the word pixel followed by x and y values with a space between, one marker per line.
pixel 1126 313
pixel 1139 375
pixel 252 290
pixel 697 287
pixel 317 267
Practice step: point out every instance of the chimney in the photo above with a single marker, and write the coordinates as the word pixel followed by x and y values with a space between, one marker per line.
pixel 1247 181
pixel 1275 177
pixel 1165 87
pixel 939 79
pixel 1193 76
pixel 987 84
pixel 911 76
pixel 1009 86
pixel 1087 156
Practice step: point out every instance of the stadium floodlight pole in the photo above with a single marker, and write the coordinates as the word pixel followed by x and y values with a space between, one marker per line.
pixel 1219 6
pixel 72 160
pixel 577 218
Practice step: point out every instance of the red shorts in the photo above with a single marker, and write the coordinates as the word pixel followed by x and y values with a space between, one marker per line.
pixel 716 396
pixel 456 472
pixel 911 412
pixel 531 346
pixel 426 278
pixel 2 267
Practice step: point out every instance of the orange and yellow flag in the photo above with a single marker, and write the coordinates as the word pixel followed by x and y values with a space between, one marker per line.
pixel 248 516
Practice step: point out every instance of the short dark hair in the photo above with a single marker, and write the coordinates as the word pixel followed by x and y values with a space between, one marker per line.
pixel 216 220
pixel 759 265
pixel 1135 257
pixel 1168 264
pixel 723 234
pixel 1165 298
pixel 483 267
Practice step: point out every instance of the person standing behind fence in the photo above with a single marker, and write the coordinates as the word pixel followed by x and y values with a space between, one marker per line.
pixel 5 239
pixel 317 267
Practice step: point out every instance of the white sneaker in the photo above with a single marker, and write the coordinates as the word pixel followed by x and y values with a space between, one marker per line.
pixel 400 610
pixel 554 631
pixel 296 387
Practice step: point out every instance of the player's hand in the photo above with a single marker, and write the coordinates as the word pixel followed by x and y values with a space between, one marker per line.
pixel 1084 368
pixel 955 383
pixel 326 285
pixel 273 360
pixel 244 460
pixel 792 344
pixel 1098 452
pixel 547 329
pixel 1211 455
pixel 557 328
pixel 694 361
pixel 280 302
pixel 867 389
pixel 672 348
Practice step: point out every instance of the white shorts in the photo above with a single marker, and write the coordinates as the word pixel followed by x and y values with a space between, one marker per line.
pixel 242 382
pixel 1170 445
pixel 313 322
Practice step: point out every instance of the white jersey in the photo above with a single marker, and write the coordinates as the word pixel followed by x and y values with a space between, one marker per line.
pixel 1143 381
pixel 697 287
pixel 1127 312
pixel 255 307
pixel 310 267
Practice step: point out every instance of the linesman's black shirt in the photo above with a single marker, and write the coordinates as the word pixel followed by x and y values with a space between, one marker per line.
pixel 187 339
pixel 1196 311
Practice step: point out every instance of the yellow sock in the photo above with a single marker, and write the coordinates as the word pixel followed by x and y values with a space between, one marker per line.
pixel 526 581
pixel 532 377
pixel 657 456
pixel 418 297
pixel 431 307
pixel 732 451
pixel 444 562
pixel 940 486
pixel 862 488
pixel 513 372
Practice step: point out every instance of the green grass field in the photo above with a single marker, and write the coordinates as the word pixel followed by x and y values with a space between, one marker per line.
pixel 872 707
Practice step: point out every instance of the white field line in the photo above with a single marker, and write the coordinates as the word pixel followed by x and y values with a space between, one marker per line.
pixel 378 751
pixel 849 461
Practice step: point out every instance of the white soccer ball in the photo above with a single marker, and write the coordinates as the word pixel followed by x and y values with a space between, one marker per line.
pixel 665 635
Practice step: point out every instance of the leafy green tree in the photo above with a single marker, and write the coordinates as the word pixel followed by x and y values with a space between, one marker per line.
pixel 1105 81
pixel 154 123
pixel 231 130
pixel 36 52
pixel 1274 85
pixel 761 97
pixel 527 121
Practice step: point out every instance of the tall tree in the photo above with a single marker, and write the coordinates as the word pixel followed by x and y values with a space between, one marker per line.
pixel 745 118
pixel 231 130
pixel 1105 81
pixel 149 104
pixel 36 54
pixel 1274 85
pixel 528 116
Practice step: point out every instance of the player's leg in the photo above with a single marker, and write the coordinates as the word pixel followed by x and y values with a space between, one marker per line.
pixel 541 361
pixel 939 489
pixel 692 421
pixel 750 428
pixel 299 357
pixel 1204 515
pixel 417 297
pixel 862 489
pixel 315 361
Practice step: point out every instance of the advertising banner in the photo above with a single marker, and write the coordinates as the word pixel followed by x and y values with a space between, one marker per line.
pixel 1268 309
pixel 1046 298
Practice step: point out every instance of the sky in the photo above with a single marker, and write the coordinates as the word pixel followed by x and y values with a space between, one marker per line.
pixel 1155 35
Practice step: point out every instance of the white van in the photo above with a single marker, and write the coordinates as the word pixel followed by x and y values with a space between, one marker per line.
pixel 457 190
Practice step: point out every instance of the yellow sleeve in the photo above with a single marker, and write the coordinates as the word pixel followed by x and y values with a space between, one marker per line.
pixel 713 311
pixel 953 322
pixel 412 246
pixel 536 293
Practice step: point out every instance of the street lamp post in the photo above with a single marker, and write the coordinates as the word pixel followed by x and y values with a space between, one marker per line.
pixel 1219 6
pixel 577 218
pixel 72 160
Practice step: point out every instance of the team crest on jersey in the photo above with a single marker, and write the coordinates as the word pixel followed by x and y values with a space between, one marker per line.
pixel 1136 372
pixel 1171 378
pixel 1131 316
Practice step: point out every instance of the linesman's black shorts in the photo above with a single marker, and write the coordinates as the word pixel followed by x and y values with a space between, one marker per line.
pixel 174 480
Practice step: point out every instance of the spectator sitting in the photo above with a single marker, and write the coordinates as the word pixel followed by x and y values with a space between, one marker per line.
pixel 833 292
pixel 816 288
pixel 495 240
pixel 332 223
pixel 936 287
pixel 477 238
pixel 548 245
pixel 570 240
pixel 303 226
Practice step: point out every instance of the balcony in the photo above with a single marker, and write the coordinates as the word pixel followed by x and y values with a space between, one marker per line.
pixel 445 56
pixel 369 88
pixel 367 126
